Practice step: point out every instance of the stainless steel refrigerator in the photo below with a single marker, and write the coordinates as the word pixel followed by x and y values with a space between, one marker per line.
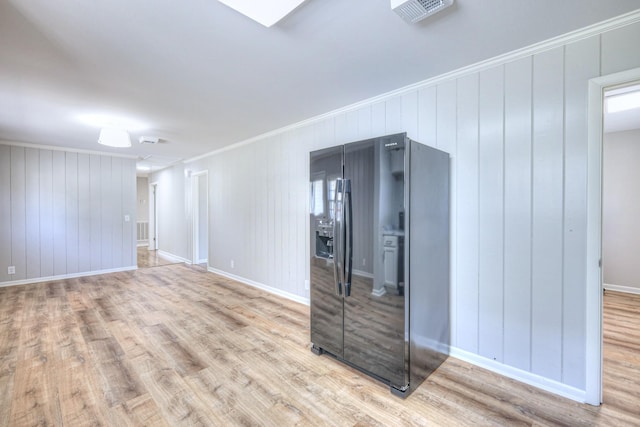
pixel 379 268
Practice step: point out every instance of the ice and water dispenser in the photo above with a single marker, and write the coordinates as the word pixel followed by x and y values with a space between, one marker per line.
pixel 324 238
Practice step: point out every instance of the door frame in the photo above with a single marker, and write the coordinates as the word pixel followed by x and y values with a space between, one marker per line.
pixel 594 362
pixel 153 216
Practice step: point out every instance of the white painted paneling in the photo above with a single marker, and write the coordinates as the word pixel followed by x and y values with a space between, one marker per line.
pixel 364 123
pixel 18 213
pixel 517 214
pixel 128 186
pixel 548 141
pixel 46 213
pixel 59 213
pixel 71 212
pixel 427 116
pixel 393 116
pixel 5 211
pixel 347 127
pixel 491 213
pixel 620 49
pixel 84 213
pixel 410 115
pixel 32 193
pixel 116 215
pixel 582 62
pixel 466 217
pixel 106 229
pixel 446 116
pixel 378 120
pixel 95 184
pixel 50 215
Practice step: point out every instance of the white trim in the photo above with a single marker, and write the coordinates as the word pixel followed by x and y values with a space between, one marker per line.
pixel 583 33
pixel 379 292
pixel 361 273
pixel 142 243
pixel 203 261
pixel 67 149
pixel 195 212
pixel 153 216
pixel 275 291
pixel 520 375
pixel 597 86
pixel 172 257
pixel 620 288
pixel 67 276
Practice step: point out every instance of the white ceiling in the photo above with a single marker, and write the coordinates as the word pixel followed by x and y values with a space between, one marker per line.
pixel 201 76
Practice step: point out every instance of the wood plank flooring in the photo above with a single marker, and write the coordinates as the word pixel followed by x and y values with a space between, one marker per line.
pixel 147 258
pixel 176 345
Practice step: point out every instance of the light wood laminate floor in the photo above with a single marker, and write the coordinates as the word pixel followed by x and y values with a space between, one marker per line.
pixel 175 345
pixel 147 258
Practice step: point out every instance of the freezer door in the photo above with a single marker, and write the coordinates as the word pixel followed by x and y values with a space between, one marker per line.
pixel 325 290
pixel 374 314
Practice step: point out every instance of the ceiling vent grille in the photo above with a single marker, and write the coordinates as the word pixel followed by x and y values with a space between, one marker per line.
pixel 149 140
pixel 416 10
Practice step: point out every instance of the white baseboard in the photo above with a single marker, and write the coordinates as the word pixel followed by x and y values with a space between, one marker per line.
pixel 203 261
pixel 172 257
pixel 361 273
pixel 529 378
pixel 276 291
pixel 620 288
pixel 67 276
pixel 142 243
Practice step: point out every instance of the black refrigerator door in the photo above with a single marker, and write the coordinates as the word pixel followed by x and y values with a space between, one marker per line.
pixel 326 298
pixel 374 312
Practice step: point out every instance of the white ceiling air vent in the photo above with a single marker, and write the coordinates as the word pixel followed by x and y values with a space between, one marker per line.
pixel 149 140
pixel 416 10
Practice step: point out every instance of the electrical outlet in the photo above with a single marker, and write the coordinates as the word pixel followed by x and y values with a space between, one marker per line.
pixel 127 218
pixel 233 264
pixel 11 269
pixel 306 285
pixel 364 262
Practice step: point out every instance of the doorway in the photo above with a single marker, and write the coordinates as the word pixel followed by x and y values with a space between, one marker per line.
pixel 153 216
pixel 621 243
pixel 598 87
pixel 200 220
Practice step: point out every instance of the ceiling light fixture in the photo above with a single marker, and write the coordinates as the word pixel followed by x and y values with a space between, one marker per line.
pixel 623 102
pixel 265 12
pixel 113 137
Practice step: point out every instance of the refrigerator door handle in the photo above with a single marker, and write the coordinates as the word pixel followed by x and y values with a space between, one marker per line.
pixel 348 222
pixel 337 239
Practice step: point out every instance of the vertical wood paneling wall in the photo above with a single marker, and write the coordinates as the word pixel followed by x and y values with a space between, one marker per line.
pixel 62 213
pixel 517 135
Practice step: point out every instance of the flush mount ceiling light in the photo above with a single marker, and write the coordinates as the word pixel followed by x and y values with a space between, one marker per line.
pixel 623 102
pixel 265 12
pixel 113 137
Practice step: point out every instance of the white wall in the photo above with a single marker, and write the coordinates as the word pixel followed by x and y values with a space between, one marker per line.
pixel 62 213
pixel 621 210
pixel 173 221
pixel 142 196
pixel 516 129
pixel 203 226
